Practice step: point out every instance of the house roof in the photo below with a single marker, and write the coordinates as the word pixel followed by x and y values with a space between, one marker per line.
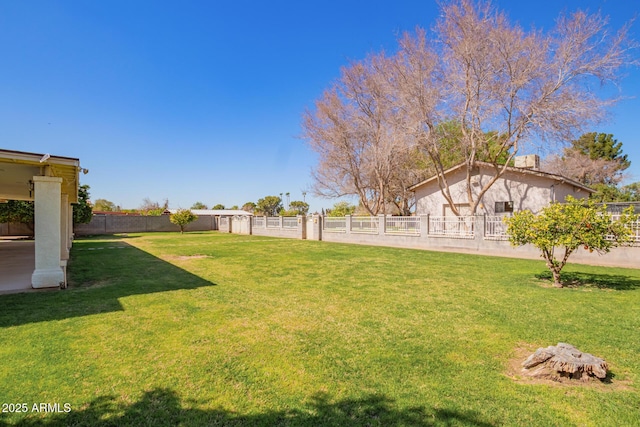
pixel 524 171
pixel 17 168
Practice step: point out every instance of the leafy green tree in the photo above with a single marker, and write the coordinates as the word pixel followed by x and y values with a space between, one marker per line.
pixel 602 146
pixel 104 205
pixel 249 207
pixel 296 208
pixel 82 211
pixel 299 207
pixel 234 207
pixel 219 206
pixel 269 205
pixel 594 159
pixel 182 218
pixel 17 211
pixel 450 136
pixel 607 193
pixel 199 205
pixel 631 192
pixel 569 226
pixel 341 209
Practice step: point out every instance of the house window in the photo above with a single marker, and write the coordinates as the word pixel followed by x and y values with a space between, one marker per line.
pixel 502 207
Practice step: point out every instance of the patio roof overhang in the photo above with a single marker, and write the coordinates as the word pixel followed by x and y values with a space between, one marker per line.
pixel 17 169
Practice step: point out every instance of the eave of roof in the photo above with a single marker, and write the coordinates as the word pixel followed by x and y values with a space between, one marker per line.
pixel 67 168
pixel 34 158
pixel 525 171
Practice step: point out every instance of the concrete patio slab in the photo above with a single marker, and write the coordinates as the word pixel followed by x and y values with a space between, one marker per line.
pixel 17 262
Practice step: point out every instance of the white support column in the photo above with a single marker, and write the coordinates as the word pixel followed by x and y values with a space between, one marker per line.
pixel 64 227
pixel 48 197
pixel 70 226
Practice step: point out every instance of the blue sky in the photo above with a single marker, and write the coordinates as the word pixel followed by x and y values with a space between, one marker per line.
pixel 202 100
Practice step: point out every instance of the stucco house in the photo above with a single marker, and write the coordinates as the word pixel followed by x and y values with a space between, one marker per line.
pixel 524 187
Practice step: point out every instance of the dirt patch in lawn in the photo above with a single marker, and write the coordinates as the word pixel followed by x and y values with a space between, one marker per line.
pixel 187 257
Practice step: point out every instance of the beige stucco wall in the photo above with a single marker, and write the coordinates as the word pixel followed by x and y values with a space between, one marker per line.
pixel 527 191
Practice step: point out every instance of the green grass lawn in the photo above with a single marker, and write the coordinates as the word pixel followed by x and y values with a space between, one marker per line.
pixel 217 329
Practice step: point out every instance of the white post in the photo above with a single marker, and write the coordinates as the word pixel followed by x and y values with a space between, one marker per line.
pixel 382 223
pixel 64 227
pixel 48 273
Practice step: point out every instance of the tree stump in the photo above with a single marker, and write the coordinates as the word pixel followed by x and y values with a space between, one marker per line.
pixel 564 361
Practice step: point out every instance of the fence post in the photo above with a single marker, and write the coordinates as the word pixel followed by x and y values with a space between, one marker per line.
pixel 479 226
pixel 281 219
pixel 382 224
pixel 302 226
pixel 424 227
pixel 347 224
pixel 318 222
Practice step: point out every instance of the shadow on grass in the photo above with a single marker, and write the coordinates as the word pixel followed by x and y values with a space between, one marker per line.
pixel 100 273
pixel 601 281
pixel 162 407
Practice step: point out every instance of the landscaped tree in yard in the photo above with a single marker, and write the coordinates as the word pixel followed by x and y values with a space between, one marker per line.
pixel 502 87
pixel 199 205
pixel 341 209
pixel 219 206
pixel 631 192
pixel 249 207
pixel 269 206
pixel 485 73
pixel 596 160
pixel 356 130
pixel 182 218
pixel 297 207
pixel 561 228
pixel 82 211
pixel 104 205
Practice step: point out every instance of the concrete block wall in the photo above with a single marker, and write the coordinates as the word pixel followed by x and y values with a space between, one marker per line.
pixel 110 224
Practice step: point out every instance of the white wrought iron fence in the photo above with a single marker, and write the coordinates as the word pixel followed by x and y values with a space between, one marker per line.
pixel 289 222
pixel 402 225
pixel 273 222
pixel 334 224
pixel 495 227
pixel 635 228
pixel 258 222
pixel 461 227
pixel 365 224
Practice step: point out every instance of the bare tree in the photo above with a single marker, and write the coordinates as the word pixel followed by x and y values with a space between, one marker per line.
pixel 484 73
pixel 576 165
pixel 594 159
pixel 356 130
pixel 499 86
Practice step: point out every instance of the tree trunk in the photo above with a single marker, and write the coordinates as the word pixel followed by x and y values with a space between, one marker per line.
pixel 556 277
pixel 564 360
